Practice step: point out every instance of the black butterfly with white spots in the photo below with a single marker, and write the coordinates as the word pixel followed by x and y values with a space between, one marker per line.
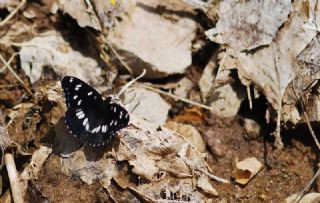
pixel 89 117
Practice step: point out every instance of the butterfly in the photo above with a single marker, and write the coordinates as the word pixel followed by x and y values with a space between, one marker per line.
pixel 90 117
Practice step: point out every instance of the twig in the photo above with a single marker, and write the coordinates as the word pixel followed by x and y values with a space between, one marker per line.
pixel 175 97
pixel 34 167
pixel 142 195
pixel 119 58
pixel 7 86
pixel 249 96
pixel 12 13
pixel 305 110
pixel 5 140
pixel 130 83
pixel 9 62
pixel 181 154
pixel 13 178
pixel 311 130
pixel 299 196
pixel 277 132
pixel 15 74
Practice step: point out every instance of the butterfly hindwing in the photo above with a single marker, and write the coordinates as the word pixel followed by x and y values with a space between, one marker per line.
pixel 89 117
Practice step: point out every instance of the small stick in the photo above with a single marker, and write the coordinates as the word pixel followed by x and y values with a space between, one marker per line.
pixel 13 178
pixel 15 74
pixel 299 196
pixel 304 113
pixel 9 61
pixel 249 97
pixel 175 97
pixel 119 58
pixel 130 83
pixel 12 13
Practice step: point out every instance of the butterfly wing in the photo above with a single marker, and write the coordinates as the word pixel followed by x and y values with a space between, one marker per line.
pixel 89 117
pixel 76 91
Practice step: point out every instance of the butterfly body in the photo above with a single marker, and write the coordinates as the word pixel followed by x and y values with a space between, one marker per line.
pixel 89 117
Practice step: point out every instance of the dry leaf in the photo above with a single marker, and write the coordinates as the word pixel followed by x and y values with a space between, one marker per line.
pixel 35 166
pixel 272 68
pixel 193 114
pixel 245 170
pixel 250 24
pixel 82 12
pixel 205 185
pixel 189 132
pixel 153 153
pixel 50 50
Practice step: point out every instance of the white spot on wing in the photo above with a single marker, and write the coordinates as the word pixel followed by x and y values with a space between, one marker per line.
pixel 115 109
pixel 87 127
pixel 79 113
pixel 71 79
pixel 89 93
pixel 79 102
pixel 96 129
pixel 85 121
pixel 75 97
pixel 77 87
pixel 104 128
pixel 81 116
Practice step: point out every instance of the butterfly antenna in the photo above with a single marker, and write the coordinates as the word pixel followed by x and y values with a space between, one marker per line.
pixel 130 83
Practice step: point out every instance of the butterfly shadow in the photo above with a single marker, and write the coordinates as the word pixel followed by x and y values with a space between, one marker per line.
pixel 65 144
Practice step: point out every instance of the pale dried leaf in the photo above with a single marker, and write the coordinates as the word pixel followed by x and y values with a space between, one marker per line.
pixel 246 25
pixel 190 133
pixel 50 50
pixel 80 11
pixel 205 185
pixel 9 3
pixel 35 166
pixel 144 167
pixel 153 153
pixel 246 169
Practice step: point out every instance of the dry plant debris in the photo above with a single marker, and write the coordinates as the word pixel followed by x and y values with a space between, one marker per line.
pixel 273 66
pixel 246 169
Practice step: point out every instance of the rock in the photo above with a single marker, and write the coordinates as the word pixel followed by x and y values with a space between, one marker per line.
pixel 252 128
pixel 142 103
pixel 146 40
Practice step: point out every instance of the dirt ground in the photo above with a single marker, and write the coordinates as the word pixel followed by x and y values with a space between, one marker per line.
pixel 285 172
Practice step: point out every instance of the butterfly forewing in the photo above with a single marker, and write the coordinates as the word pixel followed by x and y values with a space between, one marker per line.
pixel 89 117
pixel 76 91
